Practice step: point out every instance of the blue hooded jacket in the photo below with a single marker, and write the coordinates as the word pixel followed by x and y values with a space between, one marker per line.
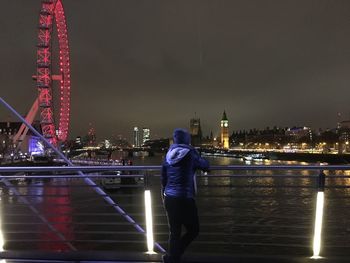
pixel 180 165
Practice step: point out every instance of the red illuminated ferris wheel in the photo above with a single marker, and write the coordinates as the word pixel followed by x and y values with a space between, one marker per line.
pixel 52 14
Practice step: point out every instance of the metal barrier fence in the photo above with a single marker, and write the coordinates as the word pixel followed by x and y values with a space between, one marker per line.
pixel 243 209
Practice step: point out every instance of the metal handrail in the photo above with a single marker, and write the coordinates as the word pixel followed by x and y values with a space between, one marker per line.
pixel 158 167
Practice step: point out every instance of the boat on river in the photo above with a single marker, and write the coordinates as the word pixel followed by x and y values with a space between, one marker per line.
pixel 255 157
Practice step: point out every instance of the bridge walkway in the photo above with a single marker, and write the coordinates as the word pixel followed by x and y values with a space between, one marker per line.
pixel 49 214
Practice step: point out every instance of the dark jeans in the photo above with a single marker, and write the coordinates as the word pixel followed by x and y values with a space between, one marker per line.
pixel 181 212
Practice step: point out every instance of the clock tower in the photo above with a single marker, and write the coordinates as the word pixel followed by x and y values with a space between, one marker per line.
pixel 224 132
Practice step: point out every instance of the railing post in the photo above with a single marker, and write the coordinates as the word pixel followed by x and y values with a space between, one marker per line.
pixel 321 180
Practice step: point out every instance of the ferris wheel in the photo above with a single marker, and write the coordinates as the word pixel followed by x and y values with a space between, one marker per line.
pixel 52 14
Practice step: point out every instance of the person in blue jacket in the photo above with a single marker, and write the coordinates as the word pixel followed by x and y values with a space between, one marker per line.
pixel 178 192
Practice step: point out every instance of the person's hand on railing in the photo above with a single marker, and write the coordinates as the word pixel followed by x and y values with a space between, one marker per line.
pixel 205 171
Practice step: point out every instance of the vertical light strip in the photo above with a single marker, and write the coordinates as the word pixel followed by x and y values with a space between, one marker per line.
pixel 2 241
pixel 318 225
pixel 149 223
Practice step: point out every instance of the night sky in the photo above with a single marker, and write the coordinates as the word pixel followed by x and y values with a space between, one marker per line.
pixel 157 63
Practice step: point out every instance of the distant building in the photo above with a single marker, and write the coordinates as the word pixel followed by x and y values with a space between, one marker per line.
pixel 195 126
pixel 344 137
pixel 224 131
pixel 136 137
pixel 298 133
pixel 120 142
pixel 196 131
pixel 91 136
pixel 159 145
pixel 146 135
pixel 78 141
pixel 29 143
pixel 344 124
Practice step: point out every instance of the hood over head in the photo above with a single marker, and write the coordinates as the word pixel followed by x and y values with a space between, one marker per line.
pixel 181 136
pixel 176 153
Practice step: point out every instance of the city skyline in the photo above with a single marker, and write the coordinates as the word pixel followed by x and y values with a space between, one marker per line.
pixel 154 64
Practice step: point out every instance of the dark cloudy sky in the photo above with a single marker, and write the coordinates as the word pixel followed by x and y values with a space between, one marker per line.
pixel 155 63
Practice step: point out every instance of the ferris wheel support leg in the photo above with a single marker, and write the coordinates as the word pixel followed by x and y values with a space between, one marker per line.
pixel 24 129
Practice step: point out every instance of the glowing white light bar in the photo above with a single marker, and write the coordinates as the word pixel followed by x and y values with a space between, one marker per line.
pixel 318 225
pixel 149 223
pixel 2 241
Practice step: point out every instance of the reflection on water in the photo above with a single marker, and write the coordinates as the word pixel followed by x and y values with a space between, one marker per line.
pixel 57 209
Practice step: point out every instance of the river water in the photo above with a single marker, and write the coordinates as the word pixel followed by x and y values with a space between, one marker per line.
pixel 266 215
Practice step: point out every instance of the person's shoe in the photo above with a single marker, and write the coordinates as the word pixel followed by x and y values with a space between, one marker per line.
pixel 165 258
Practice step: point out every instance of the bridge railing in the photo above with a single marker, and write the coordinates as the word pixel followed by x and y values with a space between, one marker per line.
pixel 243 209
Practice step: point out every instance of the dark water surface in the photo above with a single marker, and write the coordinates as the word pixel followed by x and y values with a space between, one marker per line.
pixel 265 215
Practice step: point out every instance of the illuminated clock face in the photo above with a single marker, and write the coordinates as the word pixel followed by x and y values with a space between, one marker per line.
pixel 225 124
